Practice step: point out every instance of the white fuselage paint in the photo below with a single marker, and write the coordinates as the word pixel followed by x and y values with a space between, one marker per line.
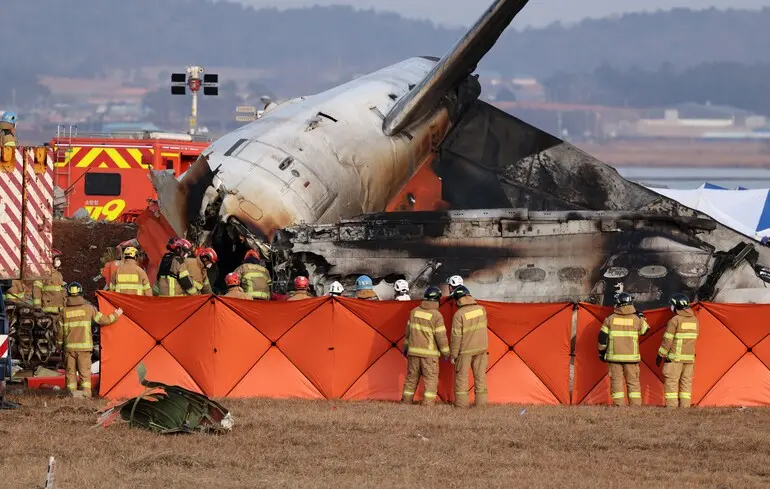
pixel 337 170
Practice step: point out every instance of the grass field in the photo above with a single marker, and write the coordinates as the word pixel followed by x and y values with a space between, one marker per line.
pixel 361 445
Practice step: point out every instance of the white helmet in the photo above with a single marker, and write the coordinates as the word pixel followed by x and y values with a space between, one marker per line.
pixel 455 281
pixel 336 288
pixel 401 287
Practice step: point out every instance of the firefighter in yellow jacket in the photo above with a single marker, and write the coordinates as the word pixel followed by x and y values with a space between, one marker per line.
pixel 48 294
pixel 469 347
pixel 76 339
pixel 234 290
pixel 678 352
pixel 193 274
pixel 130 278
pixel 170 265
pixel 619 347
pixel 425 341
pixel 18 292
pixel 301 285
pixel 255 279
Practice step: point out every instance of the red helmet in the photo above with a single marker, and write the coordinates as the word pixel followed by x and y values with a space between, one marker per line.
pixel 56 252
pixel 183 244
pixel 207 254
pixel 232 279
pixel 301 283
pixel 252 254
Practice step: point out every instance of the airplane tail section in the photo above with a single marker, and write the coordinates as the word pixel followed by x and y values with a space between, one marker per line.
pixel 455 66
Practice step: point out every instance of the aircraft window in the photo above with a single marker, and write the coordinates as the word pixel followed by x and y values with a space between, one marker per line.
pixel 393 96
pixel 234 147
pixel 295 173
pixel 107 184
pixel 286 163
pixel 377 112
pixel 327 116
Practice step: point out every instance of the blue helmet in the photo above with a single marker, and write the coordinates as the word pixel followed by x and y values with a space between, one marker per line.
pixel 364 283
pixel 9 117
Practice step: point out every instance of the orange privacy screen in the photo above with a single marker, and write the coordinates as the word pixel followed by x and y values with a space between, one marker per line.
pixel 330 348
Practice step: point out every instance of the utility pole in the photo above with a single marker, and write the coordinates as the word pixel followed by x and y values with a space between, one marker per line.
pixel 180 82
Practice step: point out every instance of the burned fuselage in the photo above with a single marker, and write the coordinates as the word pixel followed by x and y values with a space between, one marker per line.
pixel 514 254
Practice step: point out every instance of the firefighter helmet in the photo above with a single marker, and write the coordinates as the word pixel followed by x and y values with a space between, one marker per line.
pixel 432 294
pixel 232 279
pixel 401 287
pixel 130 252
pixel 336 288
pixel 74 289
pixel 460 292
pixel 679 302
pixel 207 254
pixel 455 281
pixel 9 117
pixel 184 245
pixel 623 299
pixel 252 254
pixel 56 253
pixel 301 283
pixel 364 282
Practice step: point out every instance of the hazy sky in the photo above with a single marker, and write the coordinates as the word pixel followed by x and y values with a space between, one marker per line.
pixel 536 13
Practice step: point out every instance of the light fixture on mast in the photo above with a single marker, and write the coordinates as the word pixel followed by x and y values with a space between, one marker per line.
pixel 192 80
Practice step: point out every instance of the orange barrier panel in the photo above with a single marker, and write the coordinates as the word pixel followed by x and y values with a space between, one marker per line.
pixel 733 355
pixel 320 348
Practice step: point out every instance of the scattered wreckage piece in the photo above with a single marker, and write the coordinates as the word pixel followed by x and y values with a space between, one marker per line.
pixel 167 409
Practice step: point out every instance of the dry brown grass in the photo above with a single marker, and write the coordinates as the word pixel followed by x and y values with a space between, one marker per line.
pixel 359 445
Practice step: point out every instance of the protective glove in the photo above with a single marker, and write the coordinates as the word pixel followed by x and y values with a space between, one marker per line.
pixel 118 312
pixel 639 314
pixel 658 360
pixel 452 360
pixel 603 356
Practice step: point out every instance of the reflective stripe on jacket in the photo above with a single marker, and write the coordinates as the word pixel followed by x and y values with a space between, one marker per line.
pixel 77 316
pixel 17 292
pixel 469 328
pixel 168 285
pixel 425 332
pixel 255 280
pixel 49 294
pixel 619 335
pixel 193 277
pixel 129 278
pixel 679 340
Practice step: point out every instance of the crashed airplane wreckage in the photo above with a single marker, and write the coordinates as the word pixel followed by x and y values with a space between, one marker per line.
pixel 521 214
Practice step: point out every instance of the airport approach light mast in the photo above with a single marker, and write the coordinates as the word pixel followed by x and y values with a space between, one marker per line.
pixel 192 80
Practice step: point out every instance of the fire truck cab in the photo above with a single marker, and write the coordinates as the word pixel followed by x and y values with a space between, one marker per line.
pixel 108 174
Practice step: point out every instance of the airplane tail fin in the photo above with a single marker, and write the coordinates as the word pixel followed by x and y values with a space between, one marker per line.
pixel 455 66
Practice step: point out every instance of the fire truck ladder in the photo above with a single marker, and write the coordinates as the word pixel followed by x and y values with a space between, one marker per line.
pixel 64 137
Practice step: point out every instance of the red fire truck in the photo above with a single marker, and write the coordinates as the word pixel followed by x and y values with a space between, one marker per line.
pixel 108 174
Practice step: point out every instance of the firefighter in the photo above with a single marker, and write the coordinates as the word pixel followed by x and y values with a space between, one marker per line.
pixel 76 339
pixel 18 292
pixel 424 342
pixel 193 274
pixel 8 130
pixel 255 279
pixel 365 289
pixel 401 287
pixel 453 282
pixel 469 347
pixel 48 295
pixel 678 352
pixel 130 278
pixel 109 268
pixel 619 347
pixel 167 283
pixel 300 285
pixel 336 289
pixel 234 290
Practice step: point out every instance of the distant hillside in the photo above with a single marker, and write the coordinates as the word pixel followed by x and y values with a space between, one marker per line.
pixel 87 37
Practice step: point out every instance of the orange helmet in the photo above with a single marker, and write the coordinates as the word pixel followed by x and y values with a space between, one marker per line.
pixel 252 254
pixel 301 283
pixel 232 279
pixel 207 254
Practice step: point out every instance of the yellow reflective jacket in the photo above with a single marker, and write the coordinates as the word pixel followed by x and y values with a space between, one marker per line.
pixel 130 278
pixel 619 335
pixel 679 340
pixel 425 332
pixel 469 328
pixel 255 280
pixel 193 277
pixel 17 292
pixel 77 316
pixel 49 294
